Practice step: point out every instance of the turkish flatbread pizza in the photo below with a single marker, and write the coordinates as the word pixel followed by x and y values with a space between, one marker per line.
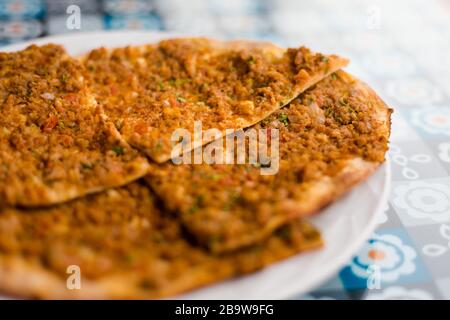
pixel 75 134
pixel 330 138
pixel 150 91
pixel 55 142
pixel 120 245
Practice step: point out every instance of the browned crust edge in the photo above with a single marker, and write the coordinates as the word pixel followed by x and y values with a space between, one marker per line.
pixel 51 196
pixel 23 279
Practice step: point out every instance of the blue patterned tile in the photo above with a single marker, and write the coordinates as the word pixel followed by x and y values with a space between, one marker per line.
pixel 431 121
pixel 21 9
pixel 144 22
pixel 387 258
pixel 404 60
pixel 58 7
pixel 426 201
pixel 20 30
pixel 414 91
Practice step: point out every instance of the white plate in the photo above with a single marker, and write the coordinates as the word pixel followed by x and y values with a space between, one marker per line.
pixel 345 225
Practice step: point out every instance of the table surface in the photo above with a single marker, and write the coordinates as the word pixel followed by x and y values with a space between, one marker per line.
pixel 401 48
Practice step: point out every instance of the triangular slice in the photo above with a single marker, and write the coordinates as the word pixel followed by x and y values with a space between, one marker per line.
pixel 55 142
pixel 122 246
pixel 330 138
pixel 150 91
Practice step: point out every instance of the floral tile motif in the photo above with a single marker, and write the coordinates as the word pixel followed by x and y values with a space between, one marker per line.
pixel 412 160
pixel 389 219
pixel 444 152
pixel 422 202
pixel 431 121
pixel 404 59
pixel 403 130
pixel 387 258
pixel 433 244
pixel 441 148
pixel 414 92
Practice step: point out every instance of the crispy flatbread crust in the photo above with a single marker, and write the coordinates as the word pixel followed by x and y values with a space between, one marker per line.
pixel 56 144
pixel 124 246
pixel 331 138
pixel 150 91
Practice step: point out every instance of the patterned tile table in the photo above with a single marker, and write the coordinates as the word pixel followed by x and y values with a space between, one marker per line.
pixel 401 48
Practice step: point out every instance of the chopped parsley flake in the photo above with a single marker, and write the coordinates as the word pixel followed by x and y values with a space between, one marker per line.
pixel 87 166
pixel 118 150
pixel 181 99
pixel 343 101
pixel 64 77
pixel 283 119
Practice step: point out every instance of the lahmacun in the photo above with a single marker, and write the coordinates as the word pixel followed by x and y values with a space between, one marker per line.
pixel 149 91
pixel 330 138
pixel 125 247
pixel 55 142
pixel 74 133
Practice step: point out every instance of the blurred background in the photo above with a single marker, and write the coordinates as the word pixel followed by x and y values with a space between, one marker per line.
pixel 358 29
pixel 401 48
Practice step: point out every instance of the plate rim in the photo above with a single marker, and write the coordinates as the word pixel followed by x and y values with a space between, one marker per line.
pixel 344 258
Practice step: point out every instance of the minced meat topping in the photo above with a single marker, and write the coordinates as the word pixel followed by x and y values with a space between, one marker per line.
pixel 54 141
pixel 226 206
pixel 121 234
pixel 152 90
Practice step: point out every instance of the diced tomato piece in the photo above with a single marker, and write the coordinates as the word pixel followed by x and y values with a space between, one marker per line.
pixel 71 97
pixel 113 89
pixel 174 102
pixel 49 124
pixel 269 136
pixel 141 128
